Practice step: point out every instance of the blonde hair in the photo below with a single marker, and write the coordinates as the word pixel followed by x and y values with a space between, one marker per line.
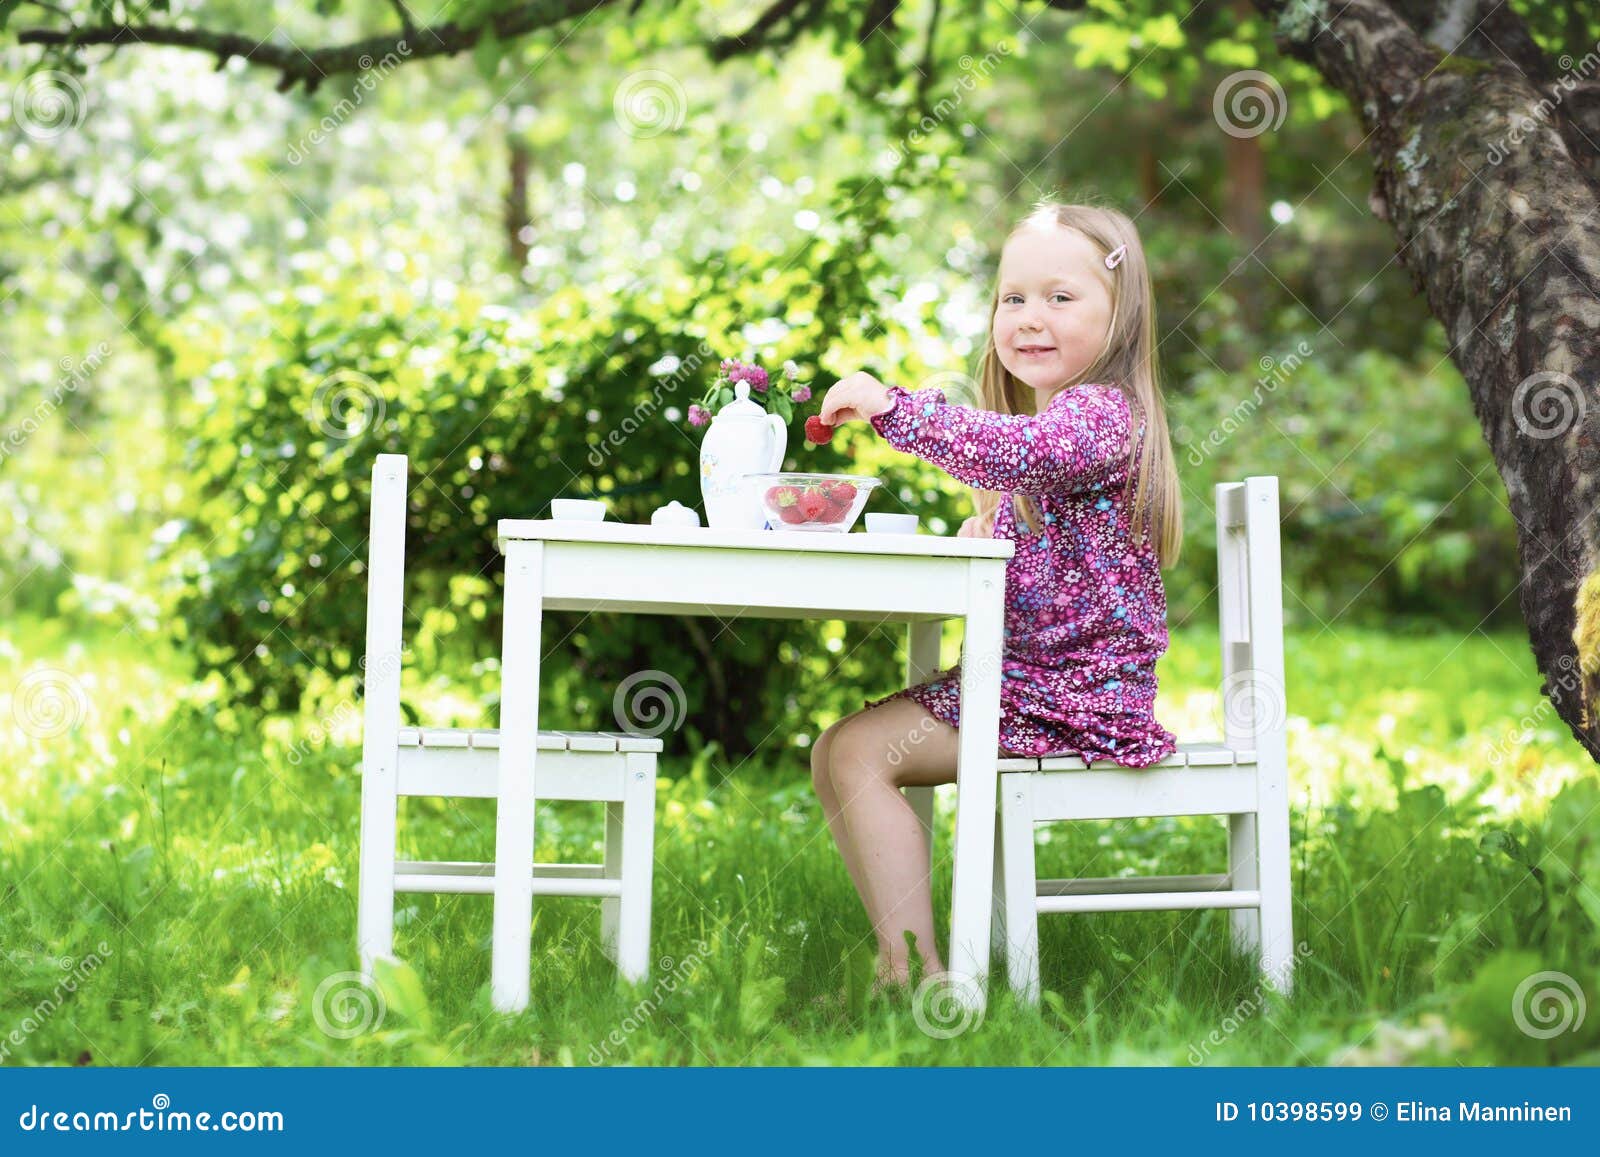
pixel 1127 360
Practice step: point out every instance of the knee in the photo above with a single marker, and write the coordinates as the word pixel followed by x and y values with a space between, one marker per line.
pixel 821 753
pixel 859 755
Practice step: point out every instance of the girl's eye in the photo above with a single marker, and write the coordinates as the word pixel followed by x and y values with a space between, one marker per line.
pixel 1010 297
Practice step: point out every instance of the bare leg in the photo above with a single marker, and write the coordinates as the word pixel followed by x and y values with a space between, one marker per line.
pixel 822 783
pixel 870 757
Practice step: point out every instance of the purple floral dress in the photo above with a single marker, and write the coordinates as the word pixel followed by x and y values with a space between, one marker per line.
pixel 1086 614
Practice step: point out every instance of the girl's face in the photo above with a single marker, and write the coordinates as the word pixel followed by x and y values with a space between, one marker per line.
pixel 1054 308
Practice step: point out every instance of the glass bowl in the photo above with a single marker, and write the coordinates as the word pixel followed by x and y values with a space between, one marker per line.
pixel 818 503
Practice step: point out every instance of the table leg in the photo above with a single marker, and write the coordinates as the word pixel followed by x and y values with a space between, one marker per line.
pixel 922 663
pixel 977 775
pixel 519 732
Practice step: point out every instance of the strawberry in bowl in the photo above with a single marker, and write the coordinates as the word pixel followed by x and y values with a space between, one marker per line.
pixel 812 502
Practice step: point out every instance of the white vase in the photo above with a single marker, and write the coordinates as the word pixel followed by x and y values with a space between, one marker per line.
pixel 742 439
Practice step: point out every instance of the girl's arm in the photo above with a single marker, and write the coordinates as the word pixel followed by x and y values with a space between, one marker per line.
pixel 1069 447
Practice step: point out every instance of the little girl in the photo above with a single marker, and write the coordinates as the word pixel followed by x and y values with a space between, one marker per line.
pixel 1073 464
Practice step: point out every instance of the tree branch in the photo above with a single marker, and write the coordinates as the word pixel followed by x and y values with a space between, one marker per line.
pixel 764 31
pixel 310 67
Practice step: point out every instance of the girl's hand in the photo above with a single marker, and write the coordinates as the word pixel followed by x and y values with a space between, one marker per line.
pixel 855 399
pixel 976 527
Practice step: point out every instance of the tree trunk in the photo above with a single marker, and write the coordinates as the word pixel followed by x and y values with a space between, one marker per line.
pixel 516 203
pixel 1486 167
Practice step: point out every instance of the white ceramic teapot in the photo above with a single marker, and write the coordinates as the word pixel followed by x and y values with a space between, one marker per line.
pixel 742 439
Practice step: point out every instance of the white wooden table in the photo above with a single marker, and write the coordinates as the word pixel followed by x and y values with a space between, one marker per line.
pixel 919 580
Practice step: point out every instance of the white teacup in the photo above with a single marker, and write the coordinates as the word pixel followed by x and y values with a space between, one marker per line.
pixel 578 509
pixel 891 523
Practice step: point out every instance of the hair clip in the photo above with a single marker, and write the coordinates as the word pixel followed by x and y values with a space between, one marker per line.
pixel 1114 258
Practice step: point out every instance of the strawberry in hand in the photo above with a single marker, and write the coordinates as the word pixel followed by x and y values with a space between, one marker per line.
pixel 818 432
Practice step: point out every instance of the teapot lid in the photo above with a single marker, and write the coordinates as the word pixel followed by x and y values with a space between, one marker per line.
pixel 741 406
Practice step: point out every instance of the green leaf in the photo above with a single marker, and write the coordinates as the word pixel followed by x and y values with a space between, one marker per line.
pixel 487 54
pixel 7 7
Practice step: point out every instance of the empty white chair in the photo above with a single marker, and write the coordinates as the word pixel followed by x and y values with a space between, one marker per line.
pixel 616 769
pixel 1244 777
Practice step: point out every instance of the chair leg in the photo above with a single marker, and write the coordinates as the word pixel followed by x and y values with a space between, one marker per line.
pixel 997 934
pixel 1277 919
pixel 610 907
pixel 1021 886
pixel 1244 874
pixel 638 867
pixel 380 728
pixel 375 885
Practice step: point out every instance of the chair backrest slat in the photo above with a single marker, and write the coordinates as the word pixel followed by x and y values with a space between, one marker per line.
pixel 1250 610
pixel 386 549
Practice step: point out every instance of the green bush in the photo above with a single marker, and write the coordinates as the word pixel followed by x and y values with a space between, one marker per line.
pixel 499 410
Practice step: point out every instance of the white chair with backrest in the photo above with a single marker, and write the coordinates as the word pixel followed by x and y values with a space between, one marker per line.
pixel 1244 777
pixel 617 769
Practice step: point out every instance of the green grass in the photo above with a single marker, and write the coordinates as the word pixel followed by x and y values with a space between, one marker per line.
pixel 1444 851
